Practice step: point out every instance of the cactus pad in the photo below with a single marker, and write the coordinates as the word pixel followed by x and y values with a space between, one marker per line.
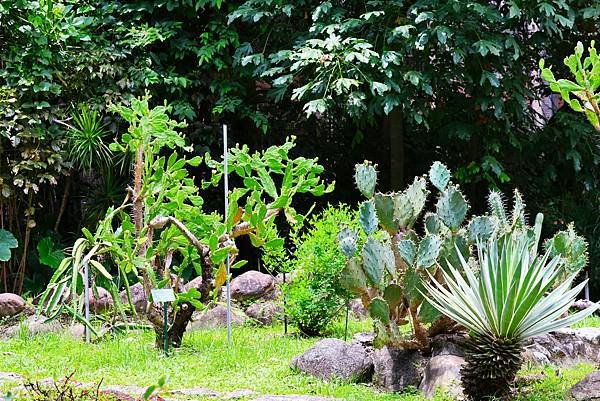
pixel 347 242
pixel 393 295
pixel 439 175
pixel 365 176
pixel 373 257
pixel 380 310
pixel 481 228
pixel 404 212
pixel 368 217
pixel 452 207
pixel 408 251
pixel 353 277
pixel 429 249
pixel 384 205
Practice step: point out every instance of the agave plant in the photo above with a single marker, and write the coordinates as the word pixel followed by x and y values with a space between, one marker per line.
pixel 509 301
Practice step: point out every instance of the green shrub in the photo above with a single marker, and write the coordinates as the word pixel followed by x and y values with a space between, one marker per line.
pixel 314 297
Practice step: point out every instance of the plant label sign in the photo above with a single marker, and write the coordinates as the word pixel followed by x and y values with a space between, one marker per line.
pixel 163 295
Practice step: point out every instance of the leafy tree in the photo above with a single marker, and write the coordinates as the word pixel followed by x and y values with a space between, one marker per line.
pixel 162 226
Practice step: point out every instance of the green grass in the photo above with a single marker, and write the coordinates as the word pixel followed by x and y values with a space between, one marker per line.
pixel 258 360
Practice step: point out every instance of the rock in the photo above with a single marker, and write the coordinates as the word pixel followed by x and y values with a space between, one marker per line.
pixel 9 377
pixel 586 390
pixel 396 369
pixel 449 344
pixel 11 304
pixel 365 340
pixel 77 331
pixel 265 312
pixel 582 304
pixel 358 309
pixel 442 372
pixel 138 298
pixel 565 347
pixel 32 326
pixel 335 359
pixel 216 317
pixel 194 283
pixel 252 285
pixel 103 303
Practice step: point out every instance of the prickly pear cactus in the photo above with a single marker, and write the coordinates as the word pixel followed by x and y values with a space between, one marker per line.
pixel 387 273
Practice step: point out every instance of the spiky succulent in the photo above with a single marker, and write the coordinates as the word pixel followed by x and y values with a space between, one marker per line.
pixel 510 301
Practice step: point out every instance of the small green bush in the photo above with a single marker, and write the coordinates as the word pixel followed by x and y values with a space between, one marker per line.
pixel 314 298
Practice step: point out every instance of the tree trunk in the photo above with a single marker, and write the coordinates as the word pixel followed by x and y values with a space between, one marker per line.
pixel 63 203
pixel 394 127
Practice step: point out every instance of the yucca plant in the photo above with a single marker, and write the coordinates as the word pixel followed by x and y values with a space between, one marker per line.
pixel 88 140
pixel 510 300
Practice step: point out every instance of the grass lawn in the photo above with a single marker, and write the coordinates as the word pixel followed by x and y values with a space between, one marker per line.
pixel 258 360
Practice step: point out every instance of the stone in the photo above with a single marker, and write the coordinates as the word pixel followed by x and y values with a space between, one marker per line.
pixel 581 304
pixel 397 369
pixel 442 372
pixel 102 303
pixel 216 317
pixel 565 347
pixel 265 313
pixel 9 377
pixel 365 340
pixel 32 326
pixel 194 283
pixel 358 309
pixel 252 285
pixel 11 305
pixel 449 344
pixel 331 358
pixel 138 298
pixel 587 389
pixel 77 331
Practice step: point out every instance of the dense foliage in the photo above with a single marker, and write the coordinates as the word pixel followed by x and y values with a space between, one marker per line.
pixel 314 298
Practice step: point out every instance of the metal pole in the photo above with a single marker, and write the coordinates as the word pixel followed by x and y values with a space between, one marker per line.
pixel 226 182
pixel 86 295
pixel 346 328
pixel 587 287
pixel 166 327
pixel 285 318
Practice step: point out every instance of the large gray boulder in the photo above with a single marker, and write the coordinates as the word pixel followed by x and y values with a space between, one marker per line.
pixel 396 369
pixel 442 372
pixel 335 359
pixel 102 303
pixel 586 390
pixel 216 317
pixel 252 285
pixel 11 304
pixel 138 298
pixel 265 313
pixel 565 347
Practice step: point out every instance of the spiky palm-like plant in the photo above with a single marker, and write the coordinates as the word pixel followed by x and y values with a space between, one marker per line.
pixel 502 306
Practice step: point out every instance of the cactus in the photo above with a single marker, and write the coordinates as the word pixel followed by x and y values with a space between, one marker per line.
pixel 368 217
pixel 365 177
pixel 388 272
pixel 439 175
pixel 570 247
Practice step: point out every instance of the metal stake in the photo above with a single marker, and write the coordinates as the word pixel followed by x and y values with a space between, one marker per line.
pixel 285 318
pixel 166 327
pixel 346 328
pixel 86 295
pixel 226 182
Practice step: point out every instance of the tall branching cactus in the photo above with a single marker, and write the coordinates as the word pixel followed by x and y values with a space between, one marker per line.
pixel 397 258
pixel 387 272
